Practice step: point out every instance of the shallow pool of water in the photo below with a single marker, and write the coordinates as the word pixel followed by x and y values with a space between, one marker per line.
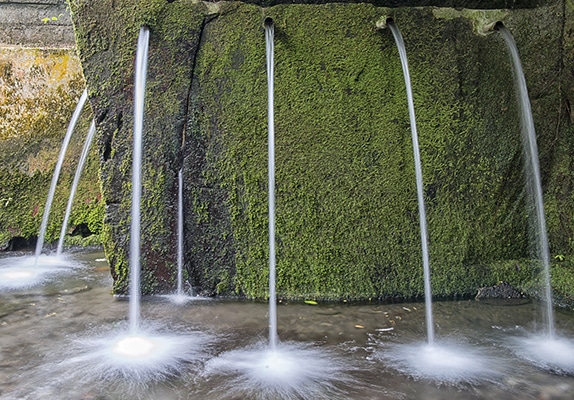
pixel 43 329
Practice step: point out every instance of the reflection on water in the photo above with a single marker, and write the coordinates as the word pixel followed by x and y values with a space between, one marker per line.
pixel 40 325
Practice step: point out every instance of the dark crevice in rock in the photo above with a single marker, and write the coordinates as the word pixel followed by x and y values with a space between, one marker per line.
pixel 210 252
pixel 120 120
pixel 101 115
pixel 107 148
pixel 82 230
pixel 190 93
pixel 18 243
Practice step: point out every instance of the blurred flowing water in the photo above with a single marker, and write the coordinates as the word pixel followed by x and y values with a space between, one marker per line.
pixel 42 326
pixel 532 172
pixel 56 175
pixel 419 179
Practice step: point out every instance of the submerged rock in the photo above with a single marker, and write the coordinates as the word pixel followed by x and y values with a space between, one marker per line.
pixel 503 292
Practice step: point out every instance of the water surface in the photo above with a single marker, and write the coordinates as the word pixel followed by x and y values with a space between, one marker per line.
pixel 42 326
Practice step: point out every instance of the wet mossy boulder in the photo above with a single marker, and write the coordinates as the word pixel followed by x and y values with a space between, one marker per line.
pixel 347 214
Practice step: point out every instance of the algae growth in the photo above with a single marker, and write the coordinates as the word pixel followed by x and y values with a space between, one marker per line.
pixel 347 219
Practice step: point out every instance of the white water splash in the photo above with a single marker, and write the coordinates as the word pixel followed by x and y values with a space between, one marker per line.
pixel 290 371
pixel 28 271
pixel 448 363
pixel 546 352
pixel 134 358
pixel 182 298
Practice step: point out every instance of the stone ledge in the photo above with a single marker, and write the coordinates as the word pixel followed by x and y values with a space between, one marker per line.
pixel 25 24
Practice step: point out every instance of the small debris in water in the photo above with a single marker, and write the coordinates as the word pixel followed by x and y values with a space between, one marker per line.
pixel 311 302
pixel 359 326
pixel 407 309
pixel 385 329
pixel 77 289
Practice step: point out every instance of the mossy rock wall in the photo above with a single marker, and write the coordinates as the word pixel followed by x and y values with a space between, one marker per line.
pixel 39 90
pixel 347 215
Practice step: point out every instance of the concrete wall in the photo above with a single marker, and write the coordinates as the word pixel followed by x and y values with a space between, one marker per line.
pixel 36 23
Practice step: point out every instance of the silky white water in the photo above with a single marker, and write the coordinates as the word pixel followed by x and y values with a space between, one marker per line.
pixel 532 170
pixel 180 297
pixel 65 143
pixel 283 370
pixel 133 355
pixel 61 341
pixel 77 176
pixel 546 350
pixel 269 34
pixel 180 233
pixel 446 362
pixel 20 272
pixel 291 370
pixel 135 229
pixel 419 177
pixel 137 359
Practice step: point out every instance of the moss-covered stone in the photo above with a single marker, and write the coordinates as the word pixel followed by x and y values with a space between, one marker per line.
pixel 107 49
pixel 347 217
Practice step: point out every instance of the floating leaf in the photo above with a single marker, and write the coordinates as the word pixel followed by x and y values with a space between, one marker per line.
pixel 359 326
pixel 311 302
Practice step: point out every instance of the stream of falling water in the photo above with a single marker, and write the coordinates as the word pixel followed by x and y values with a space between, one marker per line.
pixel 419 176
pixel 269 33
pixel 139 102
pixel 532 170
pixel 77 176
pixel 65 143
pixel 180 233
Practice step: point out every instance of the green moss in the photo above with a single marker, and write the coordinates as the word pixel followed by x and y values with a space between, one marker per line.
pixel 88 241
pixel 347 216
pixel 346 209
pixel 174 30
pixel 563 281
pixel 26 173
